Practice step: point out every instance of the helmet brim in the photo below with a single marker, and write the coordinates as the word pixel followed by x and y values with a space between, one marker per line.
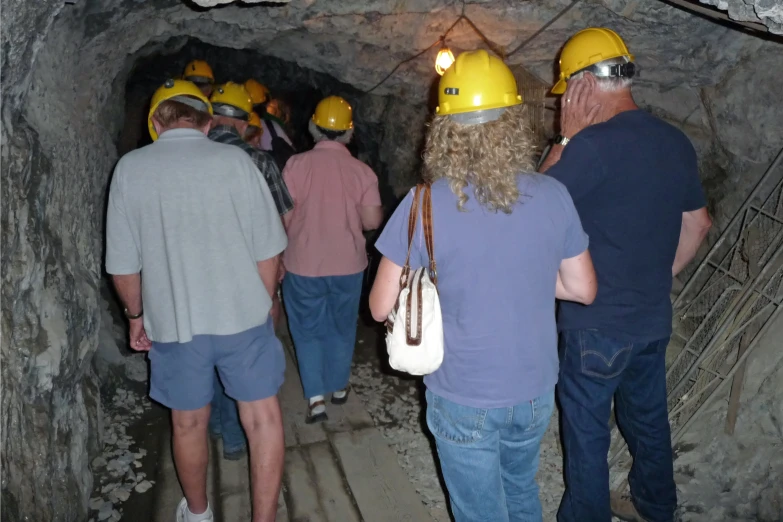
pixel 560 87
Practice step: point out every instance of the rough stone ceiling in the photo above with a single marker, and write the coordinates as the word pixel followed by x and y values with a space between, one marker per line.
pixel 767 12
pixel 359 41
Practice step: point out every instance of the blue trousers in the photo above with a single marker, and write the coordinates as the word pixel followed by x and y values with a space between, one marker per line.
pixel 489 457
pixel 224 419
pixel 322 315
pixel 594 367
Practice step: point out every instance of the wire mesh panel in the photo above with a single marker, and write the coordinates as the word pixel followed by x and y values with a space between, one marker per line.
pixel 533 92
pixel 723 310
pixel 733 295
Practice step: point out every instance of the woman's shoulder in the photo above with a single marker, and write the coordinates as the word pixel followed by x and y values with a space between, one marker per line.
pixel 538 183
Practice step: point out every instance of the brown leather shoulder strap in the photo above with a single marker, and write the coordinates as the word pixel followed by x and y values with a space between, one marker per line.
pixel 412 218
pixel 426 218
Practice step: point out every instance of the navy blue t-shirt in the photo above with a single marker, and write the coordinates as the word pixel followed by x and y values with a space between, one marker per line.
pixel 631 178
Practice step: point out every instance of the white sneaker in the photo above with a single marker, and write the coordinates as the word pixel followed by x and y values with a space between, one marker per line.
pixel 184 515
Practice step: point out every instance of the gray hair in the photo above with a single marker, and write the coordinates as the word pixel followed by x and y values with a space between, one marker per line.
pixel 318 135
pixel 605 82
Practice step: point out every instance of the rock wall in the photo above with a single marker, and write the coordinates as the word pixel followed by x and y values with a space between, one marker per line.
pixel 64 70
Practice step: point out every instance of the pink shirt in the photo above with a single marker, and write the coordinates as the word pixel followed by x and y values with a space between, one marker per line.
pixel 329 187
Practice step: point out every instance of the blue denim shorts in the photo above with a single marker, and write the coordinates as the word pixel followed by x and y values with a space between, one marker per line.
pixel 251 365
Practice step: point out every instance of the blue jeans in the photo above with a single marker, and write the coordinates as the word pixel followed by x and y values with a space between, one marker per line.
pixel 594 367
pixel 224 420
pixel 489 457
pixel 322 315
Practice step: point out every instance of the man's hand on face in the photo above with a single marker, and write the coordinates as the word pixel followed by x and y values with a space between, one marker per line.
pixel 138 336
pixel 577 110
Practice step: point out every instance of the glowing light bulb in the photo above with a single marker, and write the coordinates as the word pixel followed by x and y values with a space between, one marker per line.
pixel 444 60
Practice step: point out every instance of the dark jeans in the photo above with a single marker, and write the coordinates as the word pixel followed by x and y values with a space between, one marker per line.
pixel 594 367
pixel 224 420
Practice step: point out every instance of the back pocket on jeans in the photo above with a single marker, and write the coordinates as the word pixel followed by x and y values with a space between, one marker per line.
pixel 453 422
pixel 603 356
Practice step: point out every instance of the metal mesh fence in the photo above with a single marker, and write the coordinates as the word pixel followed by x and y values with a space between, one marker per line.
pixel 722 309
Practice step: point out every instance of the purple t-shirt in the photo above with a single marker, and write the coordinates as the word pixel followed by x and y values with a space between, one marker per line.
pixel 496 280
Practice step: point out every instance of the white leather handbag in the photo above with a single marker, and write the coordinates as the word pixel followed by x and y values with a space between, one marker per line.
pixel 414 328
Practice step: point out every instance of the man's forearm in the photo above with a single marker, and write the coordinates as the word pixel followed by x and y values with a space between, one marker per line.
pixel 268 271
pixel 129 289
pixel 553 157
pixel 561 292
pixel 687 248
pixel 371 217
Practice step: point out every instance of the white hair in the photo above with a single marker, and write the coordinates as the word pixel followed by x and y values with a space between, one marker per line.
pixel 607 84
pixel 315 132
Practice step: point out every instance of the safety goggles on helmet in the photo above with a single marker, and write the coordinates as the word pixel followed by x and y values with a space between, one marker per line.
pixel 618 70
pixel 197 104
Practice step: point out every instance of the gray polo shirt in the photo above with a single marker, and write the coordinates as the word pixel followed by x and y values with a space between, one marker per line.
pixel 194 217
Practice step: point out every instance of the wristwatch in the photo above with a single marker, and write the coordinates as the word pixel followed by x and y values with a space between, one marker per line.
pixel 131 316
pixel 561 140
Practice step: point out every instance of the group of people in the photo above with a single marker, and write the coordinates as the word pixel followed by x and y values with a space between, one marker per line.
pixel 509 241
pixel 197 229
pixel 204 227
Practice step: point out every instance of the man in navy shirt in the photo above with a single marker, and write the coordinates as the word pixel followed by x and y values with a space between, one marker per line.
pixel 635 183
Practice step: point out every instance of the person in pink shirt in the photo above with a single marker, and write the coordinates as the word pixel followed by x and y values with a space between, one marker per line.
pixel 336 198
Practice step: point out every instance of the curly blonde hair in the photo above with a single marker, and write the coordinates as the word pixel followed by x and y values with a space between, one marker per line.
pixel 488 156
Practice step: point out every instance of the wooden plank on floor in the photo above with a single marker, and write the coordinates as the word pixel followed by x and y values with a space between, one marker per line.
pixel 294 409
pixel 232 478
pixel 168 492
pixel 380 487
pixel 333 493
pixel 350 416
pixel 282 509
pixel 303 493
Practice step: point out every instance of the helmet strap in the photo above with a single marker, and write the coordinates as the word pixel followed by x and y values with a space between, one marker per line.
pixel 477 117
pixel 620 70
pixel 191 101
pixel 223 109
pixel 199 80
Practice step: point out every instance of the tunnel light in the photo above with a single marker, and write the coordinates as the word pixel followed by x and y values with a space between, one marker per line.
pixel 444 60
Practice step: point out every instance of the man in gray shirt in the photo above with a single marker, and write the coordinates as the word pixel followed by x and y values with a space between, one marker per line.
pixel 193 237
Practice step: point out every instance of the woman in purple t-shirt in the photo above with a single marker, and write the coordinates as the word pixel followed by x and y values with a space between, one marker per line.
pixel 507 242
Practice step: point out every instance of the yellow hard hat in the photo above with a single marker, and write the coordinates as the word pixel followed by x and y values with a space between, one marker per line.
pixel 333 113
pixel 232 100
pixel 478 81
pixel 181 91
pixel 199 71
pixel 255 120
pixel 588 47
pixel 259 92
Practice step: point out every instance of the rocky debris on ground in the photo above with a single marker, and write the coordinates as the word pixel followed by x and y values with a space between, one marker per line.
pixel 114 470
pixel 396 406
pixel 737 477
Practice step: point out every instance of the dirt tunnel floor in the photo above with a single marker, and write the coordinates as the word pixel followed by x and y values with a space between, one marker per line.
pixel 125 473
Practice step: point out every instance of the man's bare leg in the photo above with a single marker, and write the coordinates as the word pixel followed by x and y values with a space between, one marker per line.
pixel 191 456
pixel 263 423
